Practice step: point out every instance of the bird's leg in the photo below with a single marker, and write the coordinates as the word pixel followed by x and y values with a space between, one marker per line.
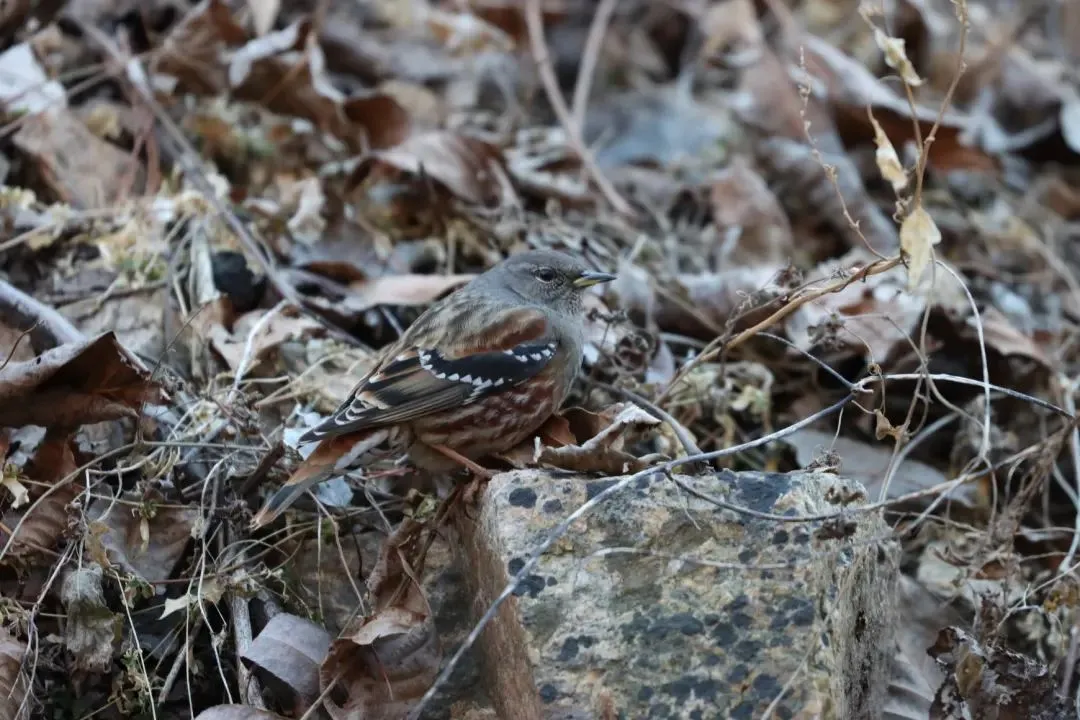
pixel 462 460
pixel 480 474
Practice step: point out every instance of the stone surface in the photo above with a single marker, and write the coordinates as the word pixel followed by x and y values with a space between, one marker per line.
pixel 658 604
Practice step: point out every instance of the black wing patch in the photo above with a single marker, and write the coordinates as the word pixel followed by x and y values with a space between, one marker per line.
pixel 487 372
pixel 424 381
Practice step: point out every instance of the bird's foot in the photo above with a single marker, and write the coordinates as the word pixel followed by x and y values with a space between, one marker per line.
pixel 473 467
pixel 475 488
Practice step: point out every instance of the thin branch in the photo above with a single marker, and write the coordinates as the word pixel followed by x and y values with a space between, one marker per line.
pixel 535 21
pixel 593 43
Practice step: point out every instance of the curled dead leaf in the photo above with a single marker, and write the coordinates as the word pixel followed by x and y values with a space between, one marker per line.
pixel 75 384
pixel 888 161
pixel 604 452
pixel 91 629
pixel 979 676
pixel 291 649
pixel 896 57
pixel 918 236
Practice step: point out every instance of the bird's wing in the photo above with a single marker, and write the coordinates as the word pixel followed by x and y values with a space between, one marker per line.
pixel 417 379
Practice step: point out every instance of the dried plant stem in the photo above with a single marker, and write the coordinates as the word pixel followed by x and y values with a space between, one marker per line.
pixel 723 345
pixel 535 21
pixel 593 43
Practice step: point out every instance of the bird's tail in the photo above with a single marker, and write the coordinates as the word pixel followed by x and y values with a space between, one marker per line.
pixel 333 456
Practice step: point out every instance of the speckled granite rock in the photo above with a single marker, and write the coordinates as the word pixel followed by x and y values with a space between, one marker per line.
pixel 660 605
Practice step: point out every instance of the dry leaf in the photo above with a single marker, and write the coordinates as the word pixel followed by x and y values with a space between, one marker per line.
pixel 14 681
pixel 210 53
pixel 888 161
pixel 464 165
pixel 82 169
pixel 407 290
pixel 121 534
pixel 896 57
pixel 237 712
pixel 463 33
pixel 291 649
pixel 75 384
pixel 754 229
pixel 918 236
pixel 41 525
pixel 91 629
pixel 265 334
pixel 604 451
pixel 991 680
pixel 207 591
pixel 10 480
pixel 850 88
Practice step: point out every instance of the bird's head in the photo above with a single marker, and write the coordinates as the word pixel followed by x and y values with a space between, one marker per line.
pixel 548 278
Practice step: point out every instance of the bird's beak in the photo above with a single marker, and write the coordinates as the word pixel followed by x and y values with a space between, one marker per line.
pixel 590 278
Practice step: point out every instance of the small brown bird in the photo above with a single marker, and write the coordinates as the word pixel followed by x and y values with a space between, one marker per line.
pixel 475 375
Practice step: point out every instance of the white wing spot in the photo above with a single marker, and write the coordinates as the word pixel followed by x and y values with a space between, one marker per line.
pixel 452 377
pixel 537 356
pixel 467 379
pixel 499 382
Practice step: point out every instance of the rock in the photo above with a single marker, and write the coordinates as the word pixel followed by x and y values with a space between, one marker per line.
pixel 659 604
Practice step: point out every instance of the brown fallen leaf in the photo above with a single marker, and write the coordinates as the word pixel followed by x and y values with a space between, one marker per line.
pixel 76 384
pixel 1004 337
pixel 209 53
pixel 291 649
pixel 83 170
pixel 40 526
pixel 870 317
pixel 465 165
pixel 13 679
pixel 604 452
pixel 754 229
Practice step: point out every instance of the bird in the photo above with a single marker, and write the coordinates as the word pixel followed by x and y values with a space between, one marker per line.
pixel 475 375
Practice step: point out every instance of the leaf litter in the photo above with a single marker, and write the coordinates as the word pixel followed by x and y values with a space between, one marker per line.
pixel 215 214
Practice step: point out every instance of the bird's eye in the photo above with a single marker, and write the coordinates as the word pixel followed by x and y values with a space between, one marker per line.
pixel 545 274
